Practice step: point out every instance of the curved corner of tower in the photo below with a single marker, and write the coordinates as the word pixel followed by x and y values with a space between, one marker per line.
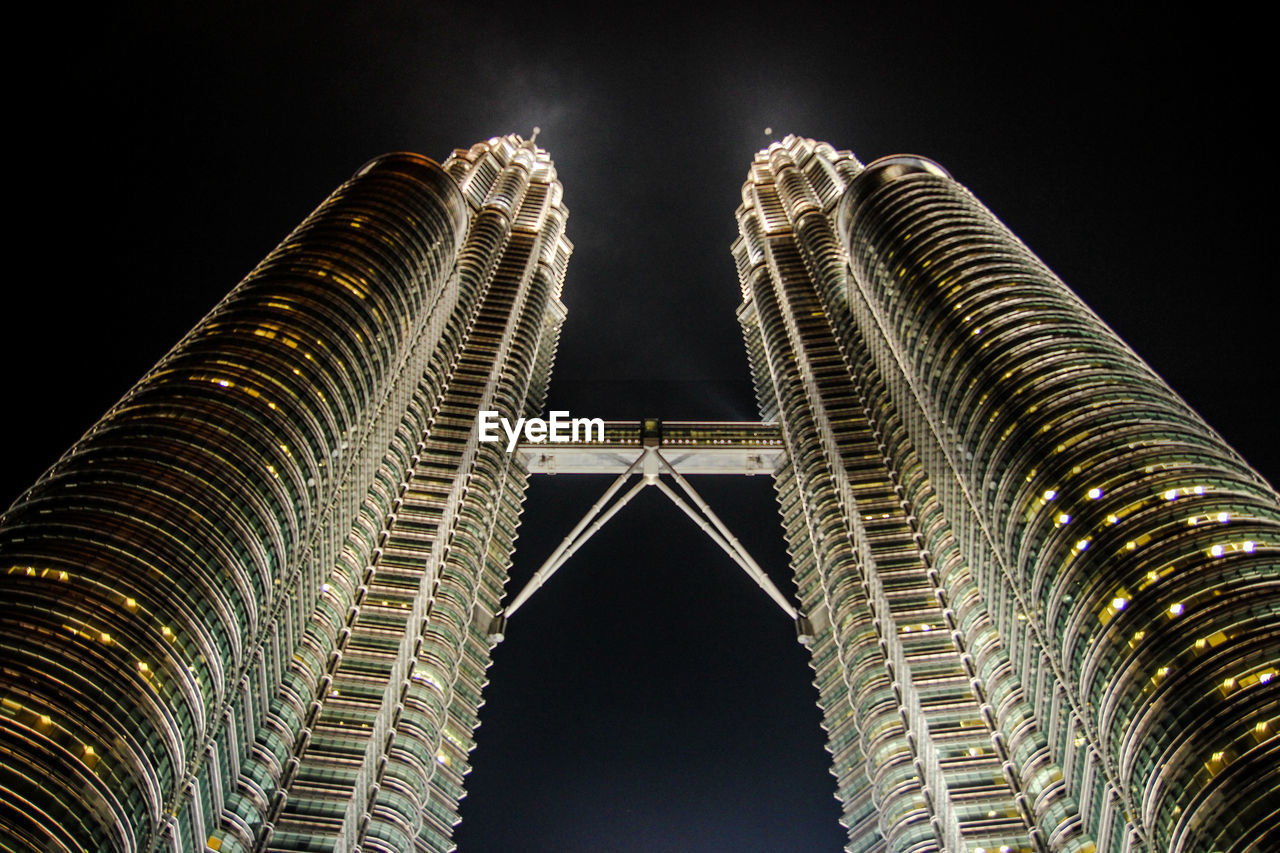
pixel 426 172
pixel 879 173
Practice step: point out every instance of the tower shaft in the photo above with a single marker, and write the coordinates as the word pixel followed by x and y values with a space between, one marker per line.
pixel 1045 591
pixel 247 609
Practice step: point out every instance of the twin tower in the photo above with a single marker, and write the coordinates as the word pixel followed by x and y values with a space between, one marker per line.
pixel 251 609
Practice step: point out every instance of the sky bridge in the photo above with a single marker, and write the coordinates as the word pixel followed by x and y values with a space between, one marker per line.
pixel 660 453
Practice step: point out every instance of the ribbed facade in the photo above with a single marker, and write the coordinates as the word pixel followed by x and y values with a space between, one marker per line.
pixel 247 609
pixel 1045 594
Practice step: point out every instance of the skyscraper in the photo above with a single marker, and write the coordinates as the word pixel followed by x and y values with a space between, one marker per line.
pixel 247 609
pixel 251 608
pixel 1044 593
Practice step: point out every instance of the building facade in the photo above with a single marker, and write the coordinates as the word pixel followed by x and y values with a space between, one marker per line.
pixel 1044 594
pixel 251 609
pixel 247 610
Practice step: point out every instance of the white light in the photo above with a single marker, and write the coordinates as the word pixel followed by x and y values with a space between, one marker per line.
pixel 1224 517
pixel 1050 494
pixel 1119 602
pixel 1216 550
pixel 1175 609
pixel 1064 519
pixel 1199 490
pixel 1249 546
pixel 1082 544
pixel 1171 494
pixel 1095 493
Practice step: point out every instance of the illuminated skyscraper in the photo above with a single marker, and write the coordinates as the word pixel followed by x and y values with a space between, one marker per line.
pixel 251 608
pixel 1044 593
pixel 247 609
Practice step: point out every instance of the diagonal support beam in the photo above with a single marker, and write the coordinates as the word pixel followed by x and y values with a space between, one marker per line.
pixel 650 464
pixel 728 542
pixel 577 537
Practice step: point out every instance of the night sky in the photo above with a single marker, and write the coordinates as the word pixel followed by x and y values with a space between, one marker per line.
pixel 650 697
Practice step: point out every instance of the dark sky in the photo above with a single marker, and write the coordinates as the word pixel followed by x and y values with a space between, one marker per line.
pixel 649 698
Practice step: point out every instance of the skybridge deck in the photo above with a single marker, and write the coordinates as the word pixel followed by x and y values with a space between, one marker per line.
pixel 691 447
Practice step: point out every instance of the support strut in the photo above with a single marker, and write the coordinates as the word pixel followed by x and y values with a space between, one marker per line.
pixel 651 465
